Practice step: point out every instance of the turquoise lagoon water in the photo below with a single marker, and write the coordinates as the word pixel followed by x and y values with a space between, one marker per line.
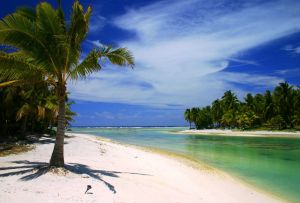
pixel 272 164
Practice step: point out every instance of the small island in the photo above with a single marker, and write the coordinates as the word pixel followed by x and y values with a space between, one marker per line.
pixel 276 110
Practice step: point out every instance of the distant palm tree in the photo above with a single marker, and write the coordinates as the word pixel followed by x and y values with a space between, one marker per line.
pixel 268 106
pixel 194 114
pixel 188 116
pixel 229 101
pixel 46 44
pixel 284 96
pixel 217 112
pixel 249 101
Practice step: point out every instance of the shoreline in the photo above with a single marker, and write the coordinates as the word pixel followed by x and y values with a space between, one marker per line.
pixel 135 174
pixel 259 133
pixel 194 163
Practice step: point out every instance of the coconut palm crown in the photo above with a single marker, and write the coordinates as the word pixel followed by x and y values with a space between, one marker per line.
pixel 45 47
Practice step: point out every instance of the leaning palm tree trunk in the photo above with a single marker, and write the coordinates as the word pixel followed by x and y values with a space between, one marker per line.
pixel 57 157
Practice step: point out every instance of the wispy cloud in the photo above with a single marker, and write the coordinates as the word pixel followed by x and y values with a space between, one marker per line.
pixel 97 22
pixel 96 43
pixel 289 72
pixel 183 47
pixel 291 48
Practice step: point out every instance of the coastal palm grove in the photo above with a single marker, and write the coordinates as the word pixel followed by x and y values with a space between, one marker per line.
pixel 276 110
pixel 40 53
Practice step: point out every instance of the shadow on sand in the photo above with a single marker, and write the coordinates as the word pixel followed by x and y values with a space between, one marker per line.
pixel 32 170
pixel 42 139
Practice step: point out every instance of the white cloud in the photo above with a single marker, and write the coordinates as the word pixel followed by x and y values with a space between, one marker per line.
pixel 293 49
pixel 96 43
pixel 291 72
pixel 183 45
pixel 97 22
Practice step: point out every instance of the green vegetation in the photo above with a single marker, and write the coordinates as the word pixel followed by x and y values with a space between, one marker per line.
pixel 42 50
pixel 29 109
pixel 277 110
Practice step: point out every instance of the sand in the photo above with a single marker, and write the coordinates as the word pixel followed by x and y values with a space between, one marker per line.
pixel 117 173
pixel 261 133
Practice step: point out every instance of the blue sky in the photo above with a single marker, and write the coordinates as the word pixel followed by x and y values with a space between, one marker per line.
pixel 187 54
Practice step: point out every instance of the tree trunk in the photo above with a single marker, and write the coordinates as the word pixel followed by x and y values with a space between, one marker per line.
pixel 57 158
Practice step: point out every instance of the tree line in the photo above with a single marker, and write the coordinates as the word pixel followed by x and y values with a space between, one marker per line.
pixel 278 110
pixel 29 109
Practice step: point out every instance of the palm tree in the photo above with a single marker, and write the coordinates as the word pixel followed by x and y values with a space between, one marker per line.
pixel 249 101
pixel 229 101
pixel 283 97
pixel 268 106
pixel 49 46
pixel 217 112
pixel 194 114
pixel 187 116
pixel 296 116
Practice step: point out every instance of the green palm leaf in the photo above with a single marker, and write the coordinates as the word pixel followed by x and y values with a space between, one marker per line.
pixel 87 66
pixel 120 56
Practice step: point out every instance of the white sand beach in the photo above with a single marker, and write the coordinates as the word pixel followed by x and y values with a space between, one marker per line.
pixel 261 133
pixel 117 173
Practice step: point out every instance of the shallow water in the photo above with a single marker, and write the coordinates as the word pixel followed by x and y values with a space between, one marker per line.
pixel 272 164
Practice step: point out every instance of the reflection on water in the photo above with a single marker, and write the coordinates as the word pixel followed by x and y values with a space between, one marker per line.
pixel 270 163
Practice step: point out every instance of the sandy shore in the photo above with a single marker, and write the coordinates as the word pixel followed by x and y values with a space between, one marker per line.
pixel 116 173
pixel 242 133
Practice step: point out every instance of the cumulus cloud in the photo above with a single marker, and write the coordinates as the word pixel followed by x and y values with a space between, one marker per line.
pixel 183 47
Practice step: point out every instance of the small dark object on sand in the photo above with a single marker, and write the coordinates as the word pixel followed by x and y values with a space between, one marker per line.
pixel 88 188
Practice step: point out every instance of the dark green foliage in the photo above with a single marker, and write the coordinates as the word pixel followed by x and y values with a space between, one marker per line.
pixel 277 123
pixel 204 118
pixel 28 109
pixel 269 109
pixel 277 110
pixel 217 112
pixel 188 117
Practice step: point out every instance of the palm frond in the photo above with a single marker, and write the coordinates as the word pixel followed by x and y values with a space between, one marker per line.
pixel 79 24
pixel 41 112
pixel 8 83
pixel 13 67
pixel 19 31
pixel 51 103
pixel 47 19
pixel 87 66
pixel 27 12
pixel 24 110
pixel 120 56
pixel 77 32
pixel 52 31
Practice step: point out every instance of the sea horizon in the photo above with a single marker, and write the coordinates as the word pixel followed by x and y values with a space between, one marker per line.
pixel 163 126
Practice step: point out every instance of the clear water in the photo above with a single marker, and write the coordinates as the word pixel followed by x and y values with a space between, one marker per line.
pixel 272 164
